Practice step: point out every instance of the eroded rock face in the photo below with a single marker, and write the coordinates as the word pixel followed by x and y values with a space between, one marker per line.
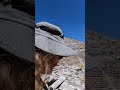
pixel 103 68
pixel 72 68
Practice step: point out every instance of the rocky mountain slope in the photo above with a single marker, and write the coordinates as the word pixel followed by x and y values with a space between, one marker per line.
pixel 102 62
pixel 72 68
pixel 102 65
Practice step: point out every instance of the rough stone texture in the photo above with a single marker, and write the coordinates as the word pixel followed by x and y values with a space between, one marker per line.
pixel 72 68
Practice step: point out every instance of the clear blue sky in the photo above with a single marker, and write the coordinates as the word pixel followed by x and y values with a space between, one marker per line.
pixel 69 15
pixel 104 17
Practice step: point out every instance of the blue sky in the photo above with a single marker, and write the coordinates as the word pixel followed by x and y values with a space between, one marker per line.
pixel 69 15
pixel 104 17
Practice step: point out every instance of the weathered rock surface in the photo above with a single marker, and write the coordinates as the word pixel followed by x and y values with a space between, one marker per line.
pixel 72 68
